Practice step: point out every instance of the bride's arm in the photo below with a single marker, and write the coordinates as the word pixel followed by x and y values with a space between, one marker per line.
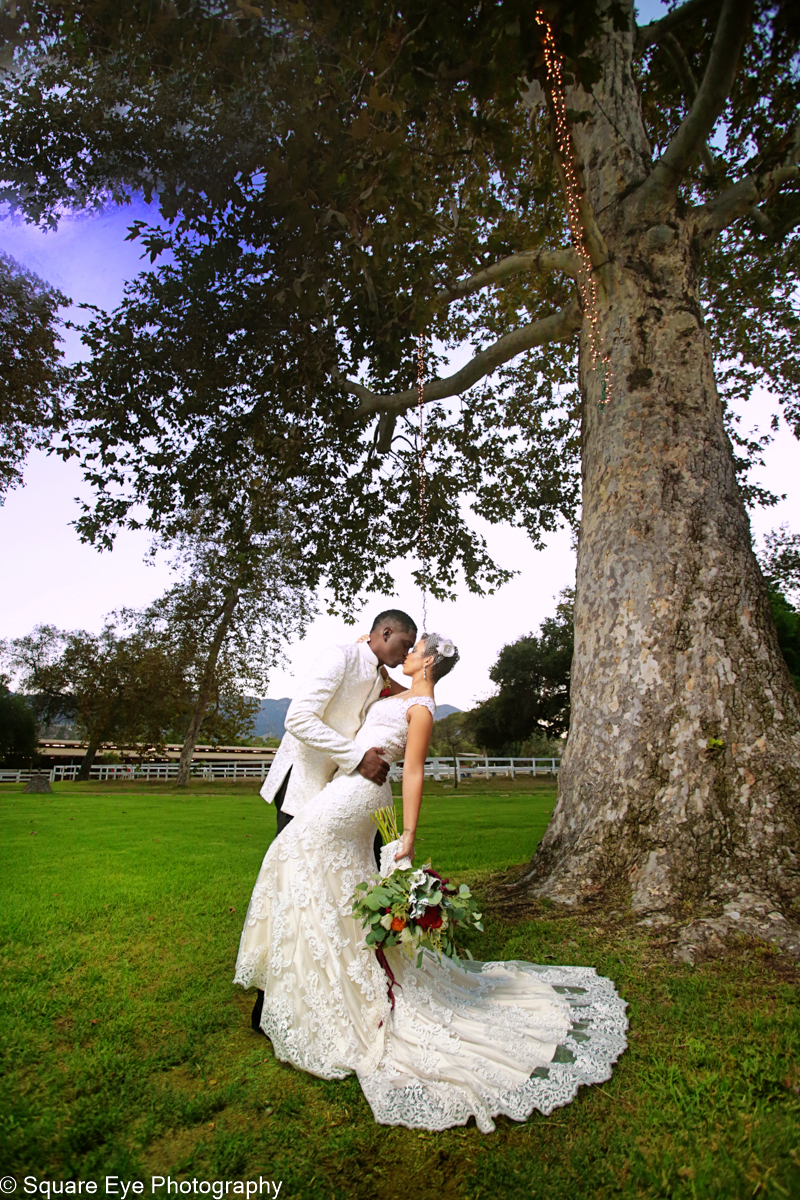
pixel 420 724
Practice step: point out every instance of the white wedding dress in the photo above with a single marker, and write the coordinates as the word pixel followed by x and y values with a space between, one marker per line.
pixel 498 1037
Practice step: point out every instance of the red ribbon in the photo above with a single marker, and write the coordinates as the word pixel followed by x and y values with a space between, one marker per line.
pixel 389 975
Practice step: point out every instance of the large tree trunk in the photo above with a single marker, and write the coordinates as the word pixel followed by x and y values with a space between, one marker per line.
pixel 681 775
pixel 87 762
pixel 205 689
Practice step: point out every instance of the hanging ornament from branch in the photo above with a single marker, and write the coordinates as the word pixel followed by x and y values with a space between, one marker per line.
pixel 554 65
pixel 423 498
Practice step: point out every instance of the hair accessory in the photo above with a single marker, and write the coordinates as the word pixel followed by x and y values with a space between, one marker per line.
pixel 442 648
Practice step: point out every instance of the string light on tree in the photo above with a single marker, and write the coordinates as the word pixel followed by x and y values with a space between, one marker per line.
pixel 587 287
pixel 423 499
pixel 586 282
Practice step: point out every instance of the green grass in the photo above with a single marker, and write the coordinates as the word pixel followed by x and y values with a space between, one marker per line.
pixel 483 825
pixel 129 1053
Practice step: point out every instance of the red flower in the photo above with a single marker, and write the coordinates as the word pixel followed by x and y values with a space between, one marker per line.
pixel 436 875
pixel 431 918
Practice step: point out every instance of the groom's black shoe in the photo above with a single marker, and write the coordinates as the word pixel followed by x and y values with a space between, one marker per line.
pixel 255 1018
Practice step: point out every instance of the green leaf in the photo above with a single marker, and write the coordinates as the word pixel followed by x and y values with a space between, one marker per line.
pixel 360 127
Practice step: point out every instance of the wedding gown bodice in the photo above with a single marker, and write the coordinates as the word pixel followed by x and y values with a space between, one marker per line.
pixel 386 725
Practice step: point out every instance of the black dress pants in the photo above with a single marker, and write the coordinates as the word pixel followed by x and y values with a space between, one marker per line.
pixel 280 796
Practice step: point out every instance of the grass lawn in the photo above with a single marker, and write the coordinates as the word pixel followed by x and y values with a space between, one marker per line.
pixel 129 1053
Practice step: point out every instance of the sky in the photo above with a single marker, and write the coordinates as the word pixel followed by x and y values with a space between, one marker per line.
pixel 52 578
pixel 59 581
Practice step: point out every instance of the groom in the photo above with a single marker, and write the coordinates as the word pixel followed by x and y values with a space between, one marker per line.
pixel 324 718
pixel 329 711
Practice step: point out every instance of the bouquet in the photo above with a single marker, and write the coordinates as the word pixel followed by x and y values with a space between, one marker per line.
pixel 413 908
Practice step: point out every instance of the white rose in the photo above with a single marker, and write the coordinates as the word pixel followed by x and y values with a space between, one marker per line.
pixel 386 920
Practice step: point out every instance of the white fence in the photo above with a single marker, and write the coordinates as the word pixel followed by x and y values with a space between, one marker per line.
pixel 472 766
pixel 467 766
pixel 165 771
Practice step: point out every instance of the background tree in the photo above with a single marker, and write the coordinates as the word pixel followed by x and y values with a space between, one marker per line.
pixel 408 182
pixel 452 736
pixel 533 677
pixel 787 627
pixel 19 736
pixel 116 688
pixel 240 601
pixel 780 561
pixel 30 366
pixel 780 565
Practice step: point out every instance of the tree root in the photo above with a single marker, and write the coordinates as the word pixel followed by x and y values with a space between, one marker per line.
pixel 690 940
pixel 749 916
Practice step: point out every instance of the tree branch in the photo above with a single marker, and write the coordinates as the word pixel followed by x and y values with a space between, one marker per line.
pixel 739 199
pixel 648 35
pixel 408 36
pixel 709 102
pixel 527 260
pixel 788 227
pixel 674 52
pixel 558 327
pixel 794 153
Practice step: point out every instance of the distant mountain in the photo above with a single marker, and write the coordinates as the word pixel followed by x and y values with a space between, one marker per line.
pixel 270 717
pixel 444 710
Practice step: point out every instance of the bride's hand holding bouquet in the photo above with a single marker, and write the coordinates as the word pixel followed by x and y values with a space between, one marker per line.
pixel 406 846
pixel 413 908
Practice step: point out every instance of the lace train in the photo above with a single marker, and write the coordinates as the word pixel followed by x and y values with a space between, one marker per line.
pixel 488 1061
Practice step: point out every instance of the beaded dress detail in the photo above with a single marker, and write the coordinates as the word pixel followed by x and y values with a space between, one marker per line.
pixel 479 1040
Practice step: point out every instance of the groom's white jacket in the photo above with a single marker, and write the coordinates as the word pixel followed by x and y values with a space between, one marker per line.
pixel 321 724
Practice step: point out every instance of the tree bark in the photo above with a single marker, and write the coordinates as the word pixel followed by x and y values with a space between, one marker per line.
pixel 455 764
pixel 681 774
pixel 205 688
pixel 87 761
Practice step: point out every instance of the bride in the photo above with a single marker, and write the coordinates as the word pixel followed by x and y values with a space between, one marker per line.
pixel 476 1040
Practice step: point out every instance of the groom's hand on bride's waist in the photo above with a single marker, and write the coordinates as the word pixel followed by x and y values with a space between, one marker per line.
pixel 373 767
